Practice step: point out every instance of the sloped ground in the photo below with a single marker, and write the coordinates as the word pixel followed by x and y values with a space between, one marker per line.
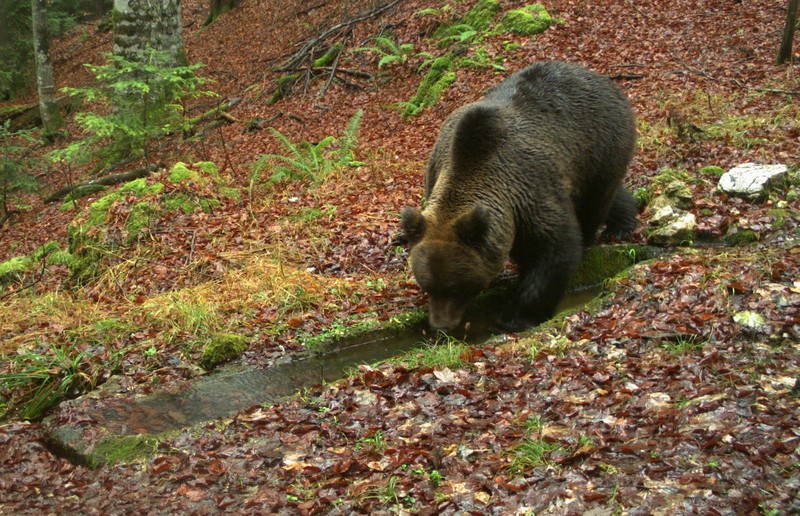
pixel 659 402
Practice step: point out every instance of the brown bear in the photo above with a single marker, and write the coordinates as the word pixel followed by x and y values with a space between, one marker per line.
pixel 528 173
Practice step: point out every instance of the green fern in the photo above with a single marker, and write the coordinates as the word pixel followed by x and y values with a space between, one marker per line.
pixel 306 161
pixel 349 140
pixel 389 50
pixel 460 33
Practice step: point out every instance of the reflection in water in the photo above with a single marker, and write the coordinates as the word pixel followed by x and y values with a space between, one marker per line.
pixel 224 394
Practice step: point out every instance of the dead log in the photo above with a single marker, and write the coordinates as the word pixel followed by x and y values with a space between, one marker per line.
pixel 28 117
pixel 98 184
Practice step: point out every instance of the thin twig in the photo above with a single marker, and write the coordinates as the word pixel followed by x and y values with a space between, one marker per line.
pixel 301 54
pixel 333 68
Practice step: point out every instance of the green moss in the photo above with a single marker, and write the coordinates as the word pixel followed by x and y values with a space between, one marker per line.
pixel 344 333
pixel 643 196
pixel 180 173
pixel 712 170
pixel 329 56
pixel 530 20
pixel 208 205
pixel 603 262
pixel 60 257
pixel 779 216
pixel 123 449
pixel 98 210
pixel 230 192
pixel 208 167
pixel 15 267
pixel 179 201
pixel 481 15
pixel 140 216
pixel 221 348
pixel 43 251
pixel 741 237
pixel 430 89
pixel 140 188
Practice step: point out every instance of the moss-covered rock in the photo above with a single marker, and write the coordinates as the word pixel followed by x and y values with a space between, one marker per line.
pixel 12 269
pixel 737 236
pixel 124 449
pixel 603 262
pixel 89 237
pixel 221 348
pixel 480 17
pixel 527 21
pixel 109 449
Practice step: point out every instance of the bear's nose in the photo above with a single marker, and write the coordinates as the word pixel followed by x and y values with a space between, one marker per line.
pixel 443 324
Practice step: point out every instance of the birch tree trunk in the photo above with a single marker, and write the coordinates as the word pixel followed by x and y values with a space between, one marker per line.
pixel 141 25
pixel 48 108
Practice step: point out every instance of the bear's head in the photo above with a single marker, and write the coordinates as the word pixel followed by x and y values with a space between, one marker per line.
pixel 452 262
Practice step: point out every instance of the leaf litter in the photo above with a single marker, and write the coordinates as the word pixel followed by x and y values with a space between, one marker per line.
pixel 662 400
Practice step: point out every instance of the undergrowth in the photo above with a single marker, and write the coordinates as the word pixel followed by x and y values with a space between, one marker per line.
pixel 306 161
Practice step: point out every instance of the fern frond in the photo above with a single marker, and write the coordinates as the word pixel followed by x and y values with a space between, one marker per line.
pixel 291 147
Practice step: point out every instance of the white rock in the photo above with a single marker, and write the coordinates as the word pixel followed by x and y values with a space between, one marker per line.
pixel 663 215
pixel 674 227
pixel 750 179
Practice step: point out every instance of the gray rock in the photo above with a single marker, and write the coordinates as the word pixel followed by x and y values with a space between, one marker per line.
pixel 671 226
pixel 751 180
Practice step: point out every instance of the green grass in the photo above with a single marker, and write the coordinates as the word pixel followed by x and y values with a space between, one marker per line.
pixel 377 441
pixel 683 345
pixel 41 380
pixel 447 353
pixel 531 453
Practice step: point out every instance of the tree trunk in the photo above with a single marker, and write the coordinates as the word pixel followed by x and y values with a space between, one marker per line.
pixel 218 7
pixel 141 25
pixel 785 52
pixel 48 108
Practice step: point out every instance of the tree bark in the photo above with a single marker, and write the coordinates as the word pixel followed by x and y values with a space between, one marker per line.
pixel 141 25
pixel 99 184
pixel 218 7
pixel 785 52
pixel 48 108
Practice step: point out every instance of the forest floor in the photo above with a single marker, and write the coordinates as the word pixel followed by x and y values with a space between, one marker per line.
pixel 660 400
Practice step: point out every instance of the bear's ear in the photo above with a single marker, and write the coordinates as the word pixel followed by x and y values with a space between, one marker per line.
pixel 477 135
pixel 472 228
pixel 413 225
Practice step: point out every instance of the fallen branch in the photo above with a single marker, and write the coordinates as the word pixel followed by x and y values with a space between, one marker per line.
pixel 28 117
pixel 302 54
pixel 215 113
pixel 328 69
pixel 94 185
pixel 333 68
pixel 626 76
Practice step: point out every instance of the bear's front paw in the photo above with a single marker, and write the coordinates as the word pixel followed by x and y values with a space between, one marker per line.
pixel 512 324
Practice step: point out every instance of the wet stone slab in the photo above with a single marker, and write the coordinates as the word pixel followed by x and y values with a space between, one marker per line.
pixel 106 426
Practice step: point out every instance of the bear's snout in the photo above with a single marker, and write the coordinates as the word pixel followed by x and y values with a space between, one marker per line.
pixel 445 314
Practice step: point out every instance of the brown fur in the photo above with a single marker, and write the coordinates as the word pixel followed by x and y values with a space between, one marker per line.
pixel 528 173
